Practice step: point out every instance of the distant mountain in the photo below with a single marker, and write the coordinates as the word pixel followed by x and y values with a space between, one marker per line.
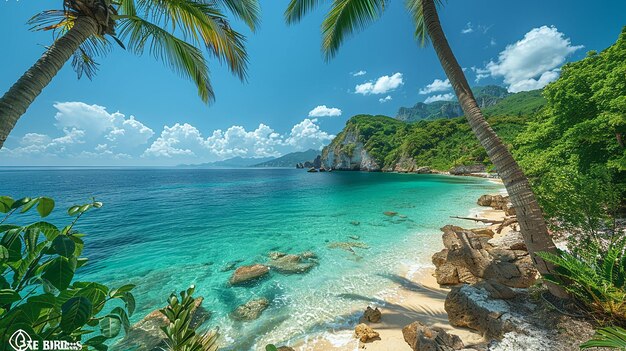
pixel 235 162
pixel 486 96
pixel 523 103
pixel 290 160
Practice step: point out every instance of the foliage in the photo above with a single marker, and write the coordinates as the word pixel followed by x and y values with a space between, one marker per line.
pixel 181 336
pixel 524 103
pixel 38 262
pixel 597 279
pixel 172 31
pixel 611 337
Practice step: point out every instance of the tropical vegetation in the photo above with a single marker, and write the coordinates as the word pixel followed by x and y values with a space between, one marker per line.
pixel 182 34
pixel 348 16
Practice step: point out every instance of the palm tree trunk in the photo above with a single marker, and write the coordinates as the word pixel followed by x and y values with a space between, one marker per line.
pixel 17 100
pixel 532 224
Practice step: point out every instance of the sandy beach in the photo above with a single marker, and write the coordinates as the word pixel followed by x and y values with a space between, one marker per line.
pixel 418 297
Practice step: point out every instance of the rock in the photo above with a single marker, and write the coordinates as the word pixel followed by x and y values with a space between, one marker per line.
pixel 317 163
pixel 512 240
pixel 251 310
pixel 312 170
pixel 348 246
pixel 290 264
pixel 371 315
pixel 354 237
pixel 423 170
pixel 285 348
pixel 469 169
pixel 274 255
pixel 365 334
pixel 322 169
pixel 486 232
pixel 147 334
pixel 245 274
pixel 355 223
pixel 422 338
pixel 299 165
pixel 308 255
pixel 497 202
pixel 496 290
pixel 469 257
pixel 349 154
pixel 390 213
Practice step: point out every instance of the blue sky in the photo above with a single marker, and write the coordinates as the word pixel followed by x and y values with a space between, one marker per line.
pixel 519 45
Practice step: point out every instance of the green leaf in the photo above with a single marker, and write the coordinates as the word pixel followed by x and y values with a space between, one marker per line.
pixel 59 273
pixel 64 246
pixel 110 326
pixel 271 347
pixel 45 207
pixel 73 210
pixel 21 202
pixel 129 301
pixel 8 296
pixel 50 231
pixel 96 340
pixel 75 313
pixel 6 204
pixel 30 204
pixel 46 300
pixel 13 243
pixel 123 318
pixel 119 292
pixel 84 208
pixel 4 254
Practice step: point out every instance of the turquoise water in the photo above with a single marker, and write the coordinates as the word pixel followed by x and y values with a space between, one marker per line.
pixel 165 229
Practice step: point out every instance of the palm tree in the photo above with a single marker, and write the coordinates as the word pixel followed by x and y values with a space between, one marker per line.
pixel 348 16
pixel 174 31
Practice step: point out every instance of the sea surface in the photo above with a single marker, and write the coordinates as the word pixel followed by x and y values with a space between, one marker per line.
pixel 166 229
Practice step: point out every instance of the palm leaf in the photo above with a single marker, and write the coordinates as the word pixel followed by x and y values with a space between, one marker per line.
pixel 182 57
pixel 298 8
pixel 204 23
pixel 612 337
pixel 415 9
pixel 345 18
pixel 246 10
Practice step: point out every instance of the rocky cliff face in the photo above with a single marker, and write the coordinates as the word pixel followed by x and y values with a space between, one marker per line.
pixel 348 153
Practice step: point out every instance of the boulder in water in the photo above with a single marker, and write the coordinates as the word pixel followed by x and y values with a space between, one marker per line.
pixel 250 310
pixel 390 213
pixel 290 264
pixel 245 274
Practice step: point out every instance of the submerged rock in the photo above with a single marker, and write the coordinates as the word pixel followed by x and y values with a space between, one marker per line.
pixel 422 338
pixel 354 237
pixel 246 274
pixel 390 213
pixel 274 255
pixel 290 264
pixel 355 223
pixel 251 310
pixel 348 246
pixel 371 315
pixel 365 333
pixel 229 266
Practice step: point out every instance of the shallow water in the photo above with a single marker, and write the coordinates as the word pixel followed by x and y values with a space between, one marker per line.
pixel 165 229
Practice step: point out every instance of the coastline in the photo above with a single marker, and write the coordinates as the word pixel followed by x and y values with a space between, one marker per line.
pixel 417 297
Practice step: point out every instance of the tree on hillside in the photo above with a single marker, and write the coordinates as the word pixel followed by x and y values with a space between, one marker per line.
pixel 347 16
pixel 174 31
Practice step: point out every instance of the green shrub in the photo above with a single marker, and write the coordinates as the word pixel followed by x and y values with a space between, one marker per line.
pixel 611 337
pixel 38 262
pixel 596 279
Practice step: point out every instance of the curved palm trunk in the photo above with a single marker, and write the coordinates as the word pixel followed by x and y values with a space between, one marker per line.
pixel 17 100
pixel 532 224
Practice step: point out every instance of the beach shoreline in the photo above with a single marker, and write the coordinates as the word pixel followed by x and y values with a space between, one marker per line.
pixel 415 297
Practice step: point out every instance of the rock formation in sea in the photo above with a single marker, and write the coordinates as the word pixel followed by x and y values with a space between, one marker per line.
pixel 246 274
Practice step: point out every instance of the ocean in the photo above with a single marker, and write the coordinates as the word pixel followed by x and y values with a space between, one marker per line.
pixel 166 229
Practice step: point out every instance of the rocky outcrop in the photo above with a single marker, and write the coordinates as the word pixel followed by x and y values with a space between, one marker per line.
pixel 372 315
pixel 365 333
pixel 349 154
pixel 497 202
pixel 147 334
pixel 422 338
pixel 471 257
pixel 291 264
pixel 467 169
pixel 246 274
pixel 251 310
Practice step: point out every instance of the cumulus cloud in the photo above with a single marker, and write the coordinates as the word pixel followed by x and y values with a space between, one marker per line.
pixel 436 86
pixel 382 85
pixel 385 99
pixel 468 28
pixel 323 111
pixel 532 62
pixel 359 73
pixel 440 97
pixel 185 142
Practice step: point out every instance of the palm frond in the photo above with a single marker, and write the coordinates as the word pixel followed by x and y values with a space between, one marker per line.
pixel 246 10
pixel 204 23
pixel 417 14
pixel 611 337
pixel 345 18
pixel 52 20
pixel 298 8
pixel 182 57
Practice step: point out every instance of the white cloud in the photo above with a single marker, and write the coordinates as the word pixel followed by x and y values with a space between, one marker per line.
pixel 468 28
pixel 308 135
pixel 440 97
pixel 359 73
pixel 436 86
pixel 382 85
pixel 323 111
pixel 385 99
pixel 531 62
